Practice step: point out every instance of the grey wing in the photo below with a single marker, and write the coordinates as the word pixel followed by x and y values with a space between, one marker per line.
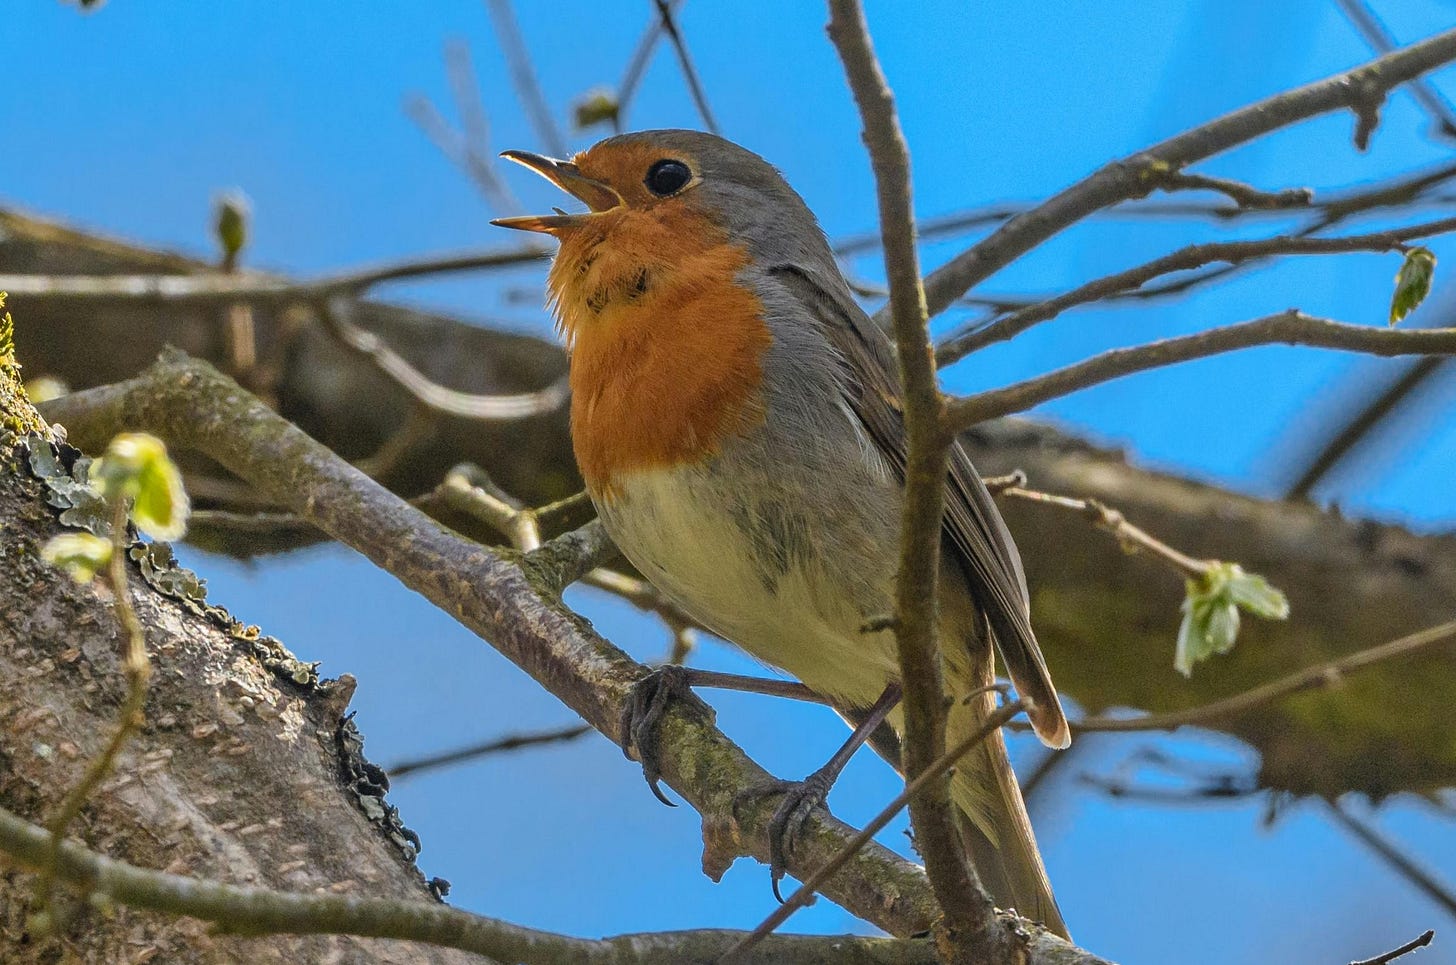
pixel 973 524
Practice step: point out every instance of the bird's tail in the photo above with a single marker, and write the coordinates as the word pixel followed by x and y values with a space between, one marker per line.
pixel 996 829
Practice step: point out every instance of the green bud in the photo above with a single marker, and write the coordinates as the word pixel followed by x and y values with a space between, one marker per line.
pixel 81 555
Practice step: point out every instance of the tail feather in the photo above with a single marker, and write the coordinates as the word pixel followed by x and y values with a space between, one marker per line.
pixel 997 831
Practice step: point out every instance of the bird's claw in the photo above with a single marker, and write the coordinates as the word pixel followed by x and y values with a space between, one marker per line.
pixel 642 717
pixel 800 798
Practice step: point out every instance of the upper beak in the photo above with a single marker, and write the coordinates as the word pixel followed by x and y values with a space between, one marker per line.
pixel 566 176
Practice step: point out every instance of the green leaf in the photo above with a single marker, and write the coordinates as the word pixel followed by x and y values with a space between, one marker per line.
pixel 1412 282
pixel 80 554
pixel 136 466
pixel 1255 594
pixel 1211 612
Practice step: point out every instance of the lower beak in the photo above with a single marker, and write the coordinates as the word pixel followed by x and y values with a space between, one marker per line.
pixel 597 195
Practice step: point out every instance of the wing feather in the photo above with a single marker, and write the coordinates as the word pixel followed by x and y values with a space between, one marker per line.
pixel 983 547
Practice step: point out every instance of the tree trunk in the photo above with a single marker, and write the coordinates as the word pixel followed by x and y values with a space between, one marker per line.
pixel 246 771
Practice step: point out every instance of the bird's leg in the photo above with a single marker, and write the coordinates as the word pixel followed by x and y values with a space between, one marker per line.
pixel 650 697
pixel 800 798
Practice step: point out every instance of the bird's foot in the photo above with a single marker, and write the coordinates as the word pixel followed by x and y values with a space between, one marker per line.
pixel 642 718
pixel 800 798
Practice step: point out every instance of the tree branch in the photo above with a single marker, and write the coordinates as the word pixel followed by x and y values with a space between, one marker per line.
pixel 1360 90
pixel 227 288
pixel 1290 327
pixel 523 76
pixel 962 343
pixel 685 61
pixel 968 929
pixel 259 911
pixel 190 404
pixel 499 745
pixel 1327 674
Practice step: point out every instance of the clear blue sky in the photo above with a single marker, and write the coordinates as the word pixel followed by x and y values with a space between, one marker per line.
pixel 130 120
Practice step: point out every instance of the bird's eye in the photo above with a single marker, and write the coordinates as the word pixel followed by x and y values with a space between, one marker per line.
pixel 667 177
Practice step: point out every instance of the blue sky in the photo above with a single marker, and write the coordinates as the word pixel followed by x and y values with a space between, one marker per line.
pixel 131 120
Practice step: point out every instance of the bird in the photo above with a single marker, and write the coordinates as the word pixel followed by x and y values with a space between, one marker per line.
pixel 736 418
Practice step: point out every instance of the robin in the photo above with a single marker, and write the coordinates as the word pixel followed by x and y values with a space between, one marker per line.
pixel 735 417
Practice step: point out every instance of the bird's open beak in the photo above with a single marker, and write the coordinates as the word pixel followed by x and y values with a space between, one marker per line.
pixel 565 175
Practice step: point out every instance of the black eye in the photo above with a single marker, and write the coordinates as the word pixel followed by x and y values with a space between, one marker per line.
pixel 667 177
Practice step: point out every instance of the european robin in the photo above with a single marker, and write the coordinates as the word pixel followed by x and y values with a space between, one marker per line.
pixel 735 416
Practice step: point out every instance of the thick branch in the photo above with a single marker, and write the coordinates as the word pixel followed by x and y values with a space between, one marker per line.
pixel 1290 327
pixel 1361 90
pixel 190 404
pixel 261 911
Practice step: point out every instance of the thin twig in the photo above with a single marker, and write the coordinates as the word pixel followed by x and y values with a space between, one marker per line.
pixel 499 745
pixel 1346 437
pixel 1420 941
pixel 963 343
pixel 469 149
pixel 1326 674
pixel 1395 858
pixel 685 61
pixel 637 64
pixel 1241 194
pixel 1290 327
pixel 1360 90
pixel 968 926
pixel 523 76
pixel 1131 537
pixel 1380 40
pixel 137 671
pixel 238 910
pixel 941 766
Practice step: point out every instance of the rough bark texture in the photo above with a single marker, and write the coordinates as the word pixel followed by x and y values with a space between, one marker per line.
pixel 1107 620
pixel 241 774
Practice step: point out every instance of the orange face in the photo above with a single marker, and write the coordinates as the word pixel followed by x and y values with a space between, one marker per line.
pixel 666 343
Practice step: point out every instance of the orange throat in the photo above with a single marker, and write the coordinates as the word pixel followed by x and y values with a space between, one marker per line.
pixel 666 345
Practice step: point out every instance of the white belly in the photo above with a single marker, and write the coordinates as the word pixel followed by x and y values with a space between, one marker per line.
pixel 781 600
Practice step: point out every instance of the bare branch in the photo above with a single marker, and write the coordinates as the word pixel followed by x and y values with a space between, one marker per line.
pixel 685 60
pixel 1345 438
pixel 1113 521
pixel 1394 857
pixel 1378 37
pixel 963 343
pixel 1420 941
pixel 1361 90
pixel 636 67
pixel 941 766
pixel 226 288
pixel 1241 194
pixel 523 76
pixel 499 745
pixel 191 405
pixel 969 927
pixel 259 911
pixel 1290 327
pixel 521 405
pixel 1327 674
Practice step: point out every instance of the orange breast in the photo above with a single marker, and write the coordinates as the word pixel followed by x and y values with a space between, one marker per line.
pixel 666 346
